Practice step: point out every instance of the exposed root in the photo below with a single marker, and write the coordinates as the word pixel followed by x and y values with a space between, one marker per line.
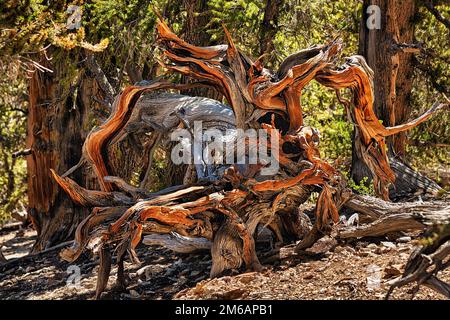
pixel 227 203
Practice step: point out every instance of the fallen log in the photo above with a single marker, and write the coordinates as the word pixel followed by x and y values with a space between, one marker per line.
pixel 11 226
pixel 381 217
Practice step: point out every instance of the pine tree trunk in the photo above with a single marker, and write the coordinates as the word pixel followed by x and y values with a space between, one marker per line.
pixel 392 69
pixel 58 123
pixel 195 32
pixel 269 28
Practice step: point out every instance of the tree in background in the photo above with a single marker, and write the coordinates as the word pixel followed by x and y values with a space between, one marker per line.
pixel 68 92
pixel 13 116
pixel 388 42
pixel 269 28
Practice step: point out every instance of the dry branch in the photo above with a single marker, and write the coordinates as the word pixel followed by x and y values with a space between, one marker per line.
pixel 425 263
pixel 383 217
pixel 177 242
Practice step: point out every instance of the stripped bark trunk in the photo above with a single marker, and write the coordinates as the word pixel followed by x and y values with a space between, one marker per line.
pixel 381 218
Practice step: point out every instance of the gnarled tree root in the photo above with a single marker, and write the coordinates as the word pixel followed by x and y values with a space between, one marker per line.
pixel 228 202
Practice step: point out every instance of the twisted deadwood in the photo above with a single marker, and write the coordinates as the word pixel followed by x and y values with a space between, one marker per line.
pixel 227 203
pixel 425 263
pixel 380 218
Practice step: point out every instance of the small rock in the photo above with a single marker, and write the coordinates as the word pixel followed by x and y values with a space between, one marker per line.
pixel 391 271
pixel 247 277
pixel 323 245
pixel 350 249
pixel 234 294
pixel 178 263
pixel 372 246
pixel 308 276
pixel 170 271
pixel 381 250
pixel 184 272
pixel 148 272
pixel 181 280
pixel 363 253
pixel 404 239
pixel 388 244
pixel 404 248
pixel 142 270
pixel 339 249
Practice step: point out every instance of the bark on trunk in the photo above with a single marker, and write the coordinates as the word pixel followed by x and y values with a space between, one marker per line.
pixel 58 122
pixel 269 28
pixel 393 68
pixel 195 32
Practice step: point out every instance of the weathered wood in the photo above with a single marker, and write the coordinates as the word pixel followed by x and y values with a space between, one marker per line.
pixel 410 183
pixel 393 68
pixel 2 258
pixel 177 242
pixel 54 137
pixel 425 263
pixel 228 201
pixel 383 217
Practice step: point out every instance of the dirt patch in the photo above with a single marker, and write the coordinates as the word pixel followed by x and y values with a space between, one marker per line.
pixel 360 270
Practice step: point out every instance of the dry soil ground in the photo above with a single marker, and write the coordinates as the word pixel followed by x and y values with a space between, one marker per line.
pixel 358 270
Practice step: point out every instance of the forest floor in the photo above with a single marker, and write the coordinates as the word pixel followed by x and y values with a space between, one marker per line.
pixel 357 270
